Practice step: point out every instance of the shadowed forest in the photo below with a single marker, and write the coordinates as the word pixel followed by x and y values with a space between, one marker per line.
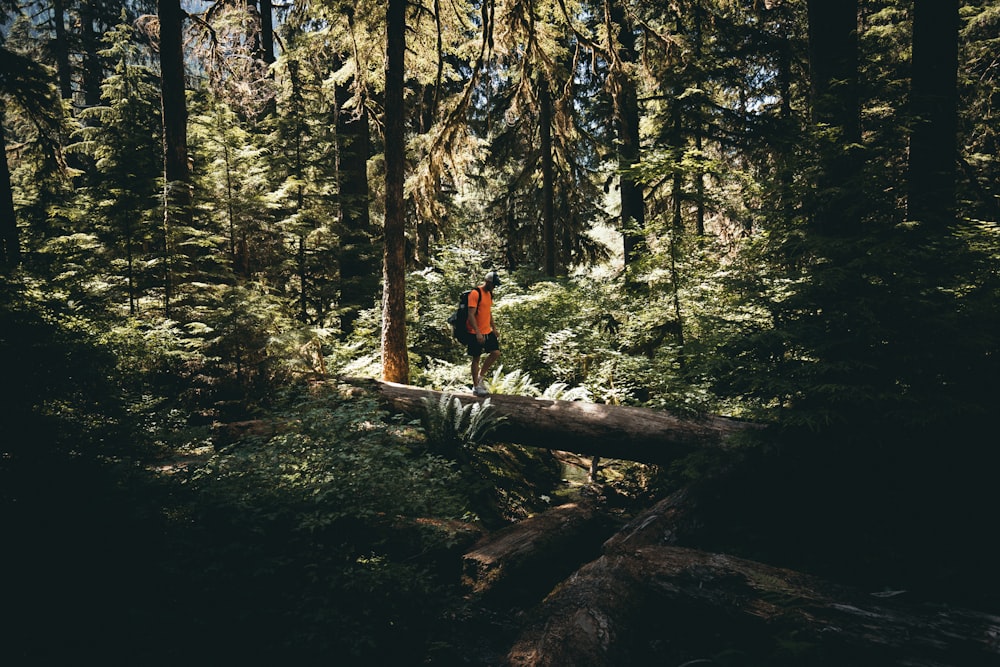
pixel 222 220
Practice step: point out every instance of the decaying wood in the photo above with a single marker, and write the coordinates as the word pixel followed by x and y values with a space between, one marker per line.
pixel 661 602
pixel 536 552
pixel 609 431
pixel 671 521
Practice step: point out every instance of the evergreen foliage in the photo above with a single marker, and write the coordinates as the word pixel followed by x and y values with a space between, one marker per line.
pixel 123 138
pixel 684 220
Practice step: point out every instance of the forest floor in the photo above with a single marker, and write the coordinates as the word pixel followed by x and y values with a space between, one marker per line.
pixel 770 527
pixel 892 597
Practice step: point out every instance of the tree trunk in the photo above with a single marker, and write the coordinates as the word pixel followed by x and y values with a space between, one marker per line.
pixel 177 177
pixel 934 99
pixel 784 163
pixel 650 600
pixel 633 209
pixel 358 263
pixel 93 68
pixel 173 100
pixel 522 562
pixel 548 179
pixel 267 31
pixel 677 225
pixel 671 605
pixel 395 365
pixel 836 111
pixel 609 431
pixel 61 49
pixel 699 170
pixel 10 242
pixel 266 16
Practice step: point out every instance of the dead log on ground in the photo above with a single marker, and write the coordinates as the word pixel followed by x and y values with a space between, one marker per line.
pixel 525 560
pixel 669 605
pixel 608 431
pixel 672 521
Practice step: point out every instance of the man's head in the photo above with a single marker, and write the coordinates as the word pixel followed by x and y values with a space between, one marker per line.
pixel 492 280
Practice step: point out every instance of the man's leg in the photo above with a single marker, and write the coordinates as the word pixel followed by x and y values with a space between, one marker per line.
pixel 475 371
pixel 488 364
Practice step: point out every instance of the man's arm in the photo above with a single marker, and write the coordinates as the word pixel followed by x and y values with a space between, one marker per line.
pixel 472 320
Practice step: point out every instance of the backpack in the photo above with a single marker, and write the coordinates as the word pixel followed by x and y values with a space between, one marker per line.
pixel 458 319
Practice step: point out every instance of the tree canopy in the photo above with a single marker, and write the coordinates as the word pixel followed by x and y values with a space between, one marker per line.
pixel 783 211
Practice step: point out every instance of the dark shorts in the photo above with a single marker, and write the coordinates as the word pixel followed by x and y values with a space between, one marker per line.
pixel 490 343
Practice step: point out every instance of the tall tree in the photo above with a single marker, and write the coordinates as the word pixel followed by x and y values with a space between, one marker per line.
pixel 177 175
pixel 548 185
pixel 536 45
pixel 266 11
pixel 92 67
pixel 395 363
pixel 123 136
pixel 304 158
pixel 836 109
pixel 27 85
pixel 233 169
pixel 980 131
pixel 10 242
pixel 358 262
pixel 933 102
pixel 61 49
pixel 622 56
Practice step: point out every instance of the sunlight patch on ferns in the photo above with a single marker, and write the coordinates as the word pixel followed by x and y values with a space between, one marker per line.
pixel 451 427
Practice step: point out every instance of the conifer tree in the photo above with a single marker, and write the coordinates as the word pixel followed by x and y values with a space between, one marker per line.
pixel 61 48
pixel 934 99
pixel 836 111
pixel 10 242
pixel 357 257
pixel 978 126
pixel 622 58
pixel 123 137
pixel 234 40
pixel 308 120
pixel 544 130
pixel 27 86
pixel 235 180
pixel 395 364
pixel 176 173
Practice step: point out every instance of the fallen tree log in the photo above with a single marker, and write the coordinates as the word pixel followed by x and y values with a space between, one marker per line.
pixel 672 605
pixel 610 431
pixel 525 560
pixel 670 522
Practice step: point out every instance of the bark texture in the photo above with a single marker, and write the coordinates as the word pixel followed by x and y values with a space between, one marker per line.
pixel 934 103
pixel 659 602
pixel 836 110
pixel 532 555
pixel 10 242
pixel 609 431
pixel 395 364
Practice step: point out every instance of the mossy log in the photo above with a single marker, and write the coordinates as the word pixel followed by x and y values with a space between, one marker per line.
pixel 525 560
pixel 673 605
pixel 593 429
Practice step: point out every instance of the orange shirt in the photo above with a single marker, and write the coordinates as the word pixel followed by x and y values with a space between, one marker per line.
pixel 483 306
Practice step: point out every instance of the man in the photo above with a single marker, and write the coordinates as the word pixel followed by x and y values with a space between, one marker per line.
pixel 482 332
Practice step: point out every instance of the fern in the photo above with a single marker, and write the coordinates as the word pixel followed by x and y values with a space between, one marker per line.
pixel 515 383
pixel 483 420
pixel 459 416
pixel 451 427
pixel 560 391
